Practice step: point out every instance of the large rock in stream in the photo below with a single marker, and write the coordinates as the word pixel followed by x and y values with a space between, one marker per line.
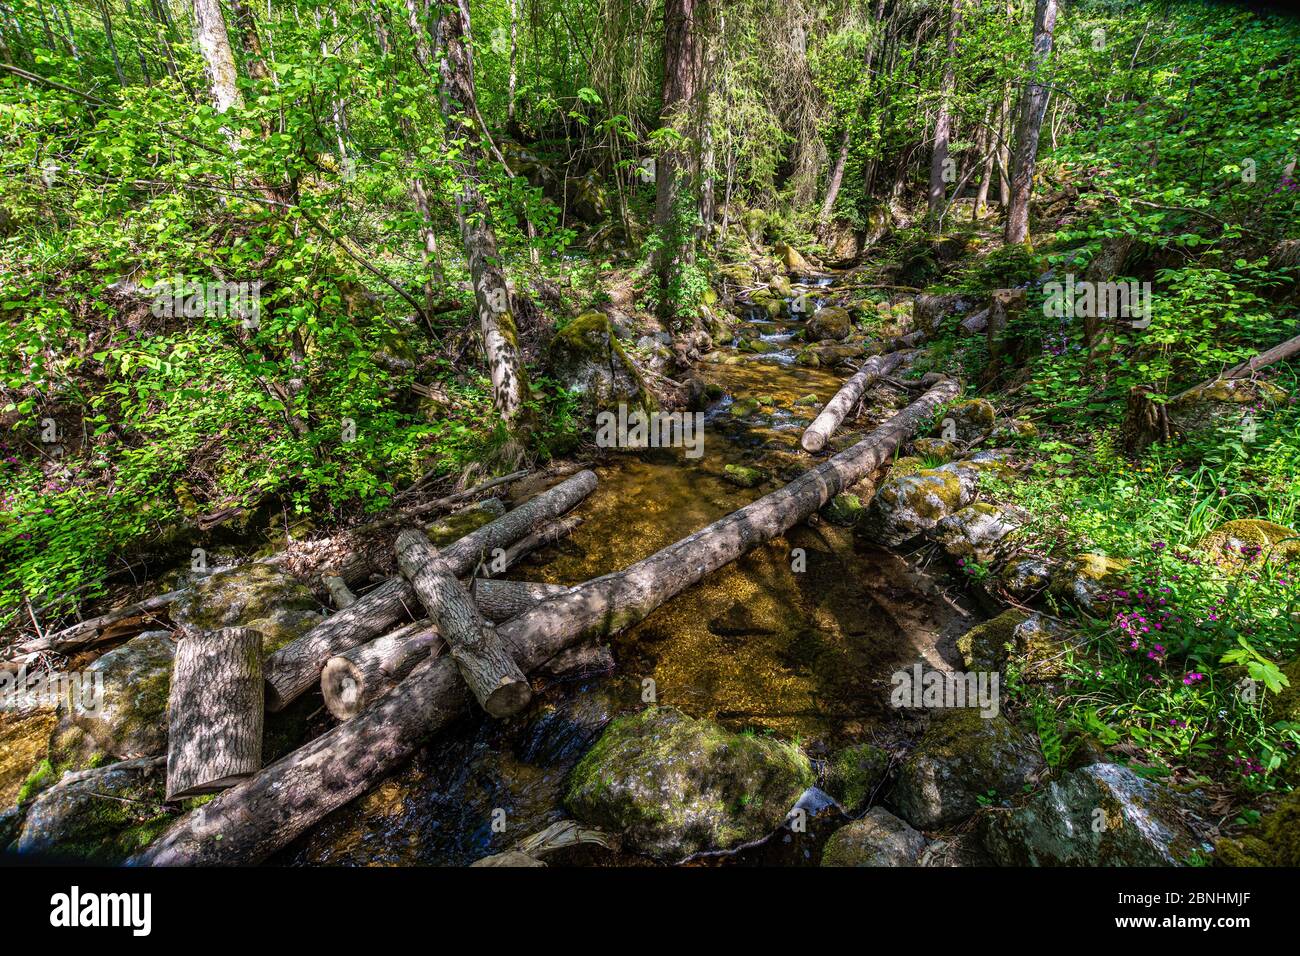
pixel 1099 815
pixel 878 839
pixel 962 758
pixel 674 785
pixel 907 505
pixel 254 595
pixel 586 357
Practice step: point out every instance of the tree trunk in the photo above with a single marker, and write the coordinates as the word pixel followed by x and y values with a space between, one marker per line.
pixel 510 391
pixel 352 681
pixel 214 44
pixel 495 679
pixel 837 178
pixel 214 715
pixel 282 802
pixel 939 159
pixel 850 393
pixel 106 18
pixel 1033 106
pixel 296 667
pixel 675 172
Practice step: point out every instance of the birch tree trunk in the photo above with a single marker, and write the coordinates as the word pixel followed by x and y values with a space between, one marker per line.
pixel 214 44
pixel 510 391
pixel 1033 106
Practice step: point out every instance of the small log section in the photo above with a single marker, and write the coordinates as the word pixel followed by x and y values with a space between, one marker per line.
pixel 837 409
pixel 249 823
pixel 214 736
pixel 495 679
pixel 296 667
pixel 354 680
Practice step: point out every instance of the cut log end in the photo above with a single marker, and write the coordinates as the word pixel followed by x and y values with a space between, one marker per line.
pixel 508 699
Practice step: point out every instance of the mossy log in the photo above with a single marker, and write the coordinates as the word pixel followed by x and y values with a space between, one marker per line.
pixel 296 667
pixel 498 684
pixel 214 736
pixel 249 823
pixel 837 409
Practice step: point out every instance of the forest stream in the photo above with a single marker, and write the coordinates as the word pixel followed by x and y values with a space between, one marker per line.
pixel 756 646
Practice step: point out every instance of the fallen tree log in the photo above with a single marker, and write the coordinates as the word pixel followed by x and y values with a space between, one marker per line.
pixel 214 713
pixel 352 681
pixel 257 818
pixel 1264 359
pixel 102 629
pixel 850 393
pixel 296 667
pixel 495 679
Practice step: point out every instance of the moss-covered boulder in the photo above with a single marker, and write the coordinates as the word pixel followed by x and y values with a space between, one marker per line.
pixel 830 354
pixel 793 260
pixel 843 510
pixel 1013 431
pixel 854 774
pixel 673 785
pixel 587 359
pixel 1100 815
pixel 100 816
pixel 744 476
pixel 1225 403
pixel 252 595
pixel 1250 540
pixel 907 505
pixel 935 448
pixel 131 717
pixel 963 757
pixel 1026 577
pixel 1273 841
pixel 986 646
pixel 971 420
pixel 1087 580
pixel 979 532
pixel 878 839
pixel 830 322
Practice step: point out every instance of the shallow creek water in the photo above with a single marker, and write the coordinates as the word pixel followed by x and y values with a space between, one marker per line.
pixel 757 645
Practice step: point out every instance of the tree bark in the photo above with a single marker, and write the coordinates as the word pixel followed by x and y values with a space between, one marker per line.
pixel 276 806
pixel 214 715
pixel 295 668
pixel 676 168
pixel 495 679
pixel 943 122
pixel 352 681
pixel 850 393
pixel 214 44
pixel 510 390
pixel 1033 106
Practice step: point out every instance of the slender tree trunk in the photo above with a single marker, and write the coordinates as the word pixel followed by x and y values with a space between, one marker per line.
pixel 1033 106
pixel 939 159
pixel 106 18
pixel 510 391
pixel 675 174
pixel 836 178
pixel 214 44
pixel 512 82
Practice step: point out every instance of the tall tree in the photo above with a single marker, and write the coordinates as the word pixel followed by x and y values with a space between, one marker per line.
pixel 939 159
pixel 510 391
pixel 214 44
pixel 1033 106
pixel 675 175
